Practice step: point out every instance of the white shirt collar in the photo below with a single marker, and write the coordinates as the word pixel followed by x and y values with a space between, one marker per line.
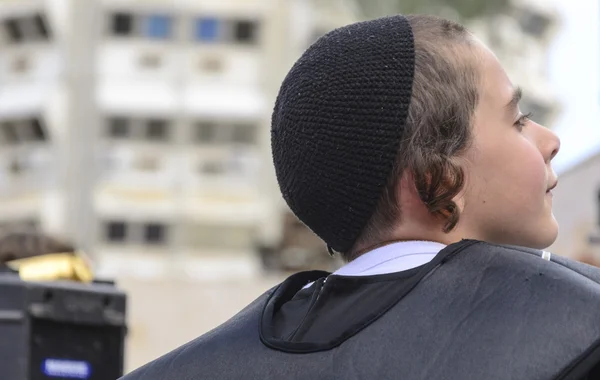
pixel 395 257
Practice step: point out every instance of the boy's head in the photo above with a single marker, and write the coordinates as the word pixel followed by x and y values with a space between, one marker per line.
pixel 408 128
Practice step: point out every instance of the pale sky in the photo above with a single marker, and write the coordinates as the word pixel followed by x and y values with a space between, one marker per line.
pixel 574 66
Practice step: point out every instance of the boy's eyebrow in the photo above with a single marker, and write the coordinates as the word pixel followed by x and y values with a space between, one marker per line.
pixel 516 98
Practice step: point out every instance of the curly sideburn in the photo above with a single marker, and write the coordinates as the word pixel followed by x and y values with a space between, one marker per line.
pixel 438 128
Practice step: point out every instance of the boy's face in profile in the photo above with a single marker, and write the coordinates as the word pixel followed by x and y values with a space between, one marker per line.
pixel 506 198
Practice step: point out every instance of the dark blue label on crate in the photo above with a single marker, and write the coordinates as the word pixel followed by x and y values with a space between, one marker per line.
pixel 64 368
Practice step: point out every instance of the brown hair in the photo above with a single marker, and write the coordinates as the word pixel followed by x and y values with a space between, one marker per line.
pixel 20 244
pixel 438 127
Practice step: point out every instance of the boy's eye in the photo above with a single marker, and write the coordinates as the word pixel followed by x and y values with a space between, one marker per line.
pixel 522 121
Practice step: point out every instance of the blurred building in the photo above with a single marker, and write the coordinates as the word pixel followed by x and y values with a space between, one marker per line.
pixel 140 129
pixel 576 206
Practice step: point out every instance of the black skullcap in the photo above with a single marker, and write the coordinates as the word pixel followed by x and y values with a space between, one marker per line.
pixel 338 122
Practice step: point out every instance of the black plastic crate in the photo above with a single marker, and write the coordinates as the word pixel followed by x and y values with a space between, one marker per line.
pixel 61 330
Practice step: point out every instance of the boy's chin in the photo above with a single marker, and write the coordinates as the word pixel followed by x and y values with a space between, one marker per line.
pixel 540 237
pixel 544 237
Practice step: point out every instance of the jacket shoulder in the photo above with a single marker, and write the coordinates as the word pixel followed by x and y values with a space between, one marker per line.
pixel 192 359
pixel 588 271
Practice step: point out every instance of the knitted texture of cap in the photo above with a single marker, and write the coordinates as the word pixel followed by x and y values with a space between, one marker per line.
pixel 338 122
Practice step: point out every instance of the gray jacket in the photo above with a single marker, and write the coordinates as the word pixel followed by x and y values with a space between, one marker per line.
pixel 477 311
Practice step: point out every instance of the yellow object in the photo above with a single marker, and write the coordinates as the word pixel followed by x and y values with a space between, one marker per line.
pixel 54 266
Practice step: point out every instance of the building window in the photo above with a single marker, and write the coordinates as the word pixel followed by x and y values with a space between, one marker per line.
pixel 116 231
pixel 243 134
pixel 158 27
pixel 212 168
pixel 41 27
pixel 13 30
pixel 36 132
pixel 118 127
pixel 122 24
pixel 206 132
pixel 157 129
pixel 155 233
pixel 245 32
pixel 207 29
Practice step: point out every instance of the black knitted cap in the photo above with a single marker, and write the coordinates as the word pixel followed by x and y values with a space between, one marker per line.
pixel 338 122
